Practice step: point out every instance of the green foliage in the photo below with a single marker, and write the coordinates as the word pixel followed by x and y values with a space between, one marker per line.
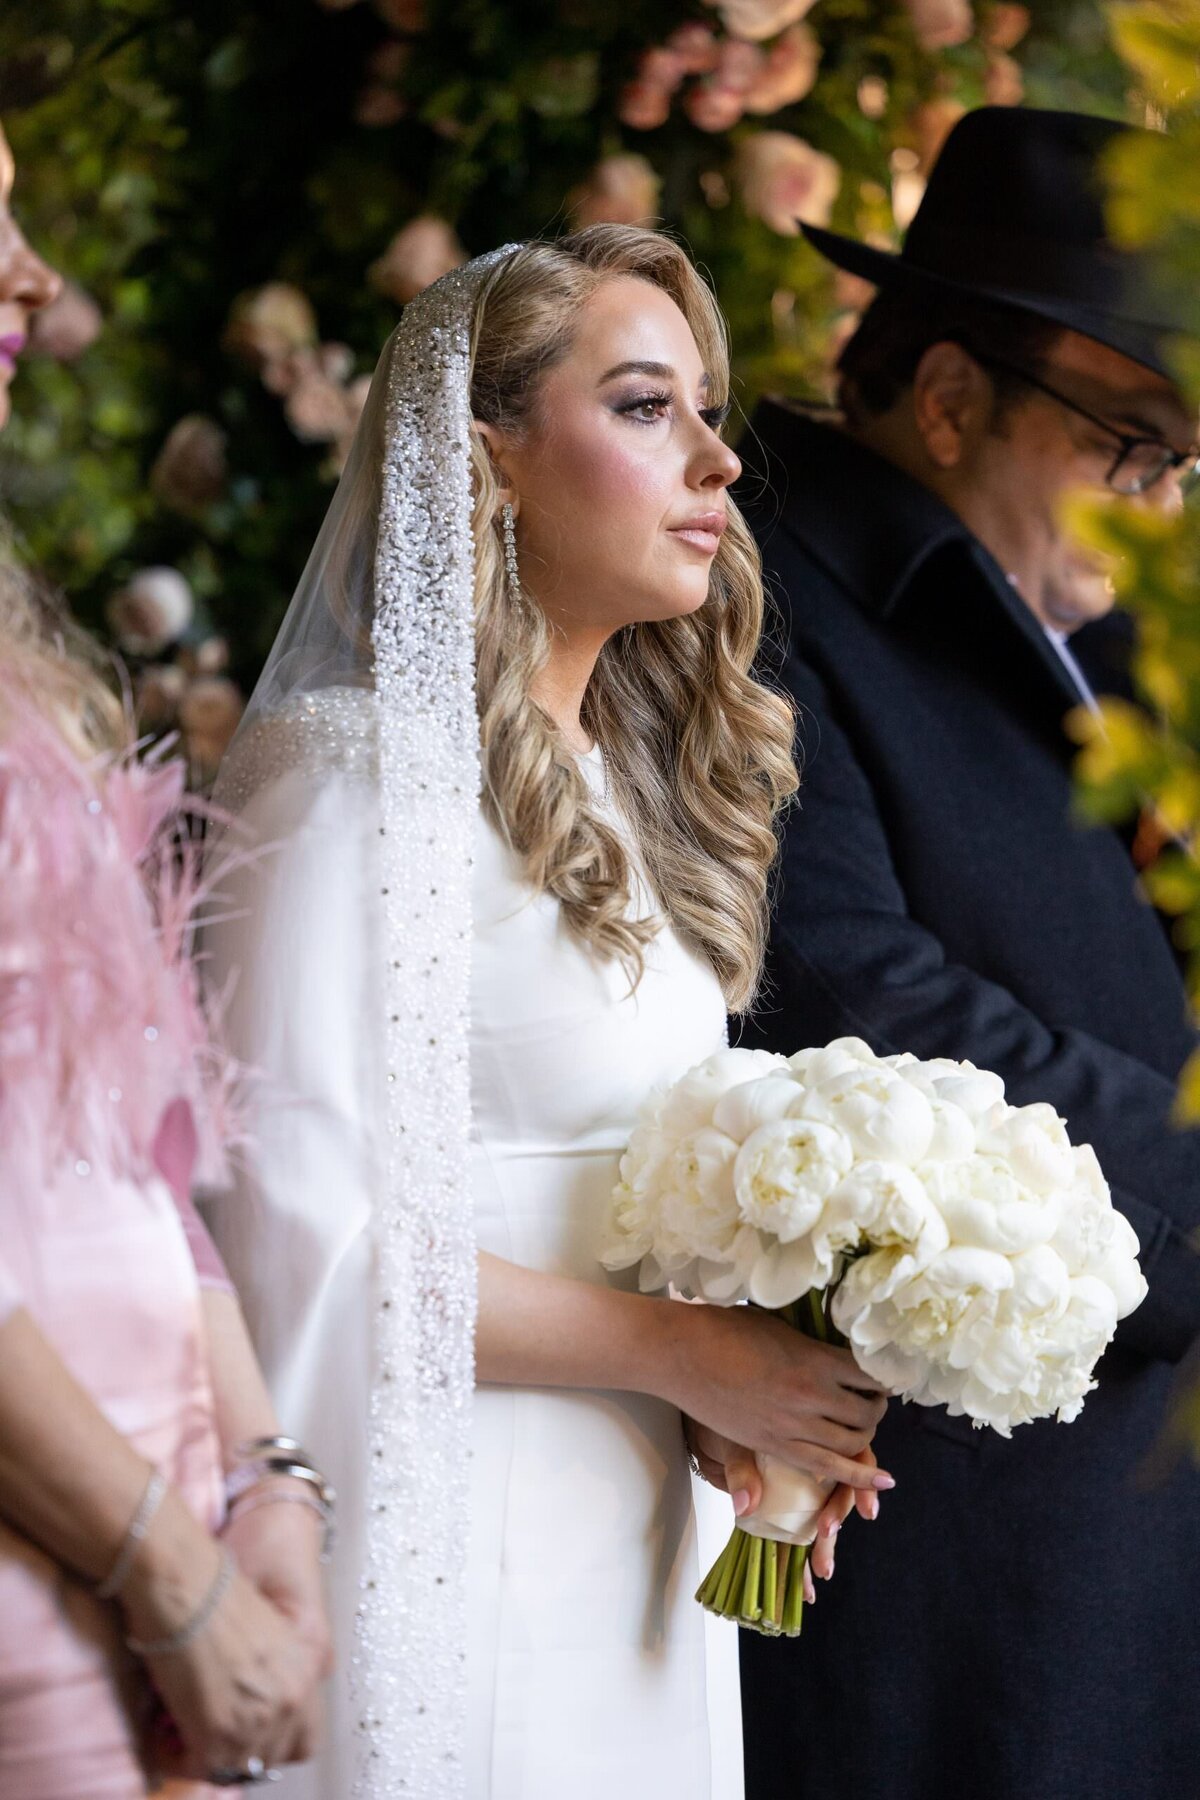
pixel 172 157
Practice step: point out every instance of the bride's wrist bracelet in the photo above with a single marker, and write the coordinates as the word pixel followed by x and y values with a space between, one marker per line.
pixel 139 1525
pixel 263 1495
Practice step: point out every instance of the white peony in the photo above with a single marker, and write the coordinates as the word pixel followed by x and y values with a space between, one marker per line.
pixel 743 1109
pixel 885 1117
pixel 784 1173
pixel 690 1103
pixel 1033 1141
pixel 986 1207
pixel 698 1209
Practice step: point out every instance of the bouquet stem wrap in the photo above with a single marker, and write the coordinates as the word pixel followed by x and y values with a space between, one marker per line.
pixel 758 1579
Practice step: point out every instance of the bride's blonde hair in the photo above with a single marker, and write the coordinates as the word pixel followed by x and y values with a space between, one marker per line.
pixel 698 752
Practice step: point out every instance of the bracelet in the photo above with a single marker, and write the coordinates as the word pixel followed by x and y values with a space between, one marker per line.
pixel 255 1448
pixel 250 1474
pixel 179 1640
pixel 149 1504
pixel 250 1501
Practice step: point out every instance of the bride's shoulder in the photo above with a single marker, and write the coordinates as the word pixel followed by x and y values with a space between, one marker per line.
pixel 331 732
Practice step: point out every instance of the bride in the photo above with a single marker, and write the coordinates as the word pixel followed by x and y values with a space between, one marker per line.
pixel 516 784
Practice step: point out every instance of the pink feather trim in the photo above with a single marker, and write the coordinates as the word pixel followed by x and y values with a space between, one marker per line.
pixel 103 1037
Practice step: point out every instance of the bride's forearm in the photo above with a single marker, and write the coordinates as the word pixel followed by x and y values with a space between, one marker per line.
pixel 541 1330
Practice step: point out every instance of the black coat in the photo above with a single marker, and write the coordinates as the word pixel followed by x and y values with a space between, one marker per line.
pixel 1023 1622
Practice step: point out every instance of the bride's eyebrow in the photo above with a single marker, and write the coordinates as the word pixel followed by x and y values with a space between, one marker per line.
pixel 659 371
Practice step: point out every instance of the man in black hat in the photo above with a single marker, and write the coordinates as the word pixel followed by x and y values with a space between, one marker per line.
pixel 1023 1622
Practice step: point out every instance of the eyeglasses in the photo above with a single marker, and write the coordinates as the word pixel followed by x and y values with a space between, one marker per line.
pixel 1140 462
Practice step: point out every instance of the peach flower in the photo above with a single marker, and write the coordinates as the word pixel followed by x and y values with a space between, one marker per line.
pixel 713 108
pixel 697 46
pixel 758 19
pixel 68 326
pixel 426 249
pixel 939 24
pixel 931 123
pixel 1004 25
pixel 783 180
pixel 621 190
pixel 789 72
pixel 662 68
pixel 270 323
pixel 739 65
pixel 157 694
pixel 1003 81
pixel 209 714
pixel 316 409
pixel 643 107
pixel 190 471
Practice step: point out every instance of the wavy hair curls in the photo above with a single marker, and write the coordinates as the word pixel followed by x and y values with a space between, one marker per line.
pixel 698 751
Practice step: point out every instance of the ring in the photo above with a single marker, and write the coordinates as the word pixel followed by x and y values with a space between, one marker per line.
pixel 255 1771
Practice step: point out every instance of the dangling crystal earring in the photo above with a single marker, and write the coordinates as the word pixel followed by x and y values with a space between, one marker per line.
pixel 510 550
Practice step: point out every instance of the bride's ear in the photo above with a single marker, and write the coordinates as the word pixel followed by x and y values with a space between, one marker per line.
pixel 494 445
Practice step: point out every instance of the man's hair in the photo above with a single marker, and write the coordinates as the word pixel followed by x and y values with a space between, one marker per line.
pixel 904 321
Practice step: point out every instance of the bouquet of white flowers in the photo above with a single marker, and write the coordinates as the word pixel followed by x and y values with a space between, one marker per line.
pixel 964 1249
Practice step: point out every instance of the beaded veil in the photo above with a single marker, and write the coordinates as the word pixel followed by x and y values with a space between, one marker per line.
pixel 383 622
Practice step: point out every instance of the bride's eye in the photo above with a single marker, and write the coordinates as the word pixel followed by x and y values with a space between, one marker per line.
pixel 645 409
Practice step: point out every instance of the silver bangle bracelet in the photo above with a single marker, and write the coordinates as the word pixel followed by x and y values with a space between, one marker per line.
pixel 179 1640
pixel 251 1501
pixel 149 1504
pixel 249 1474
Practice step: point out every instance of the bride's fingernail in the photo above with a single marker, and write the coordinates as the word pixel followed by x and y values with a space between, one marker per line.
pixel 872 1506
pixel 741 1502
pixel 834 1528
pixel 883 1483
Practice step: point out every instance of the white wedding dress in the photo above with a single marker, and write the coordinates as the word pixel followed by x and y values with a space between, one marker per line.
pixel 591 1670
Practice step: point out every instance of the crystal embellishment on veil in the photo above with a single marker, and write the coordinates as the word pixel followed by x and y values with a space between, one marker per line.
pixel 409 1673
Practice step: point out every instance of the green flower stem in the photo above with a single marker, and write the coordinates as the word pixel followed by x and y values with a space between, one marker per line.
pixel 754 1580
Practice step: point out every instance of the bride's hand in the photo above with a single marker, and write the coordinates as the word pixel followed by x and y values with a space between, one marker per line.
pixel 758 1382
pixel 732 1468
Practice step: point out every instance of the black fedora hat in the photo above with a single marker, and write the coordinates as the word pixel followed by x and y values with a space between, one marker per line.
pixel 1014 212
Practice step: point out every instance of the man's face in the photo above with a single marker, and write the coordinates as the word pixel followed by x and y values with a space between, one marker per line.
pixel 1023 466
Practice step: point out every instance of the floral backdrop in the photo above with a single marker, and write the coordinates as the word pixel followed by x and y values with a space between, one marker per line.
pixel 242 198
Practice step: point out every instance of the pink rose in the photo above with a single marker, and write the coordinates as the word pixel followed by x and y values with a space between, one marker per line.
pixel 642 106
pixel 68 326
pixel 939 24
pixel 758 19
pixel 209 658
pixel 270 323
pixel 621 190
pixel 789 72
pixel 697 45
pixel 851 293
pixel 190 471
pixel 713 108
pixel 662 68
pixel 783 180
pixel 420 254
pixel 738 66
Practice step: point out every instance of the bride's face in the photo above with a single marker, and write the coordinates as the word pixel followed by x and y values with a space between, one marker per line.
pixel 26 284
pixel 619 481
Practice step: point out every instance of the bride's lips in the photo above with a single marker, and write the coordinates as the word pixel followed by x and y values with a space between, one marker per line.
pixel 703 531
pixel 10 348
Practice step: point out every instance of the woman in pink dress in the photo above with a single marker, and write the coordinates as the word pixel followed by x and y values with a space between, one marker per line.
pixel 135 1643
